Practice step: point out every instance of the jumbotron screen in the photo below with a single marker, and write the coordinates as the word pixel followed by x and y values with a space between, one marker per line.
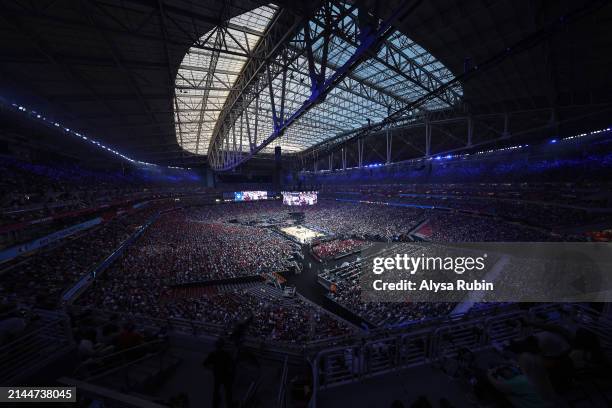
pixel 299 197
pixel 250 195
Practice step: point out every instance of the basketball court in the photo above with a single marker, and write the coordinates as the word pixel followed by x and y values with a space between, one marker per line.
pixel 302 234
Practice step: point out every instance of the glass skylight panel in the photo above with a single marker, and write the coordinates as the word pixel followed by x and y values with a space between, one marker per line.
pixel 371 91
pixel 203 84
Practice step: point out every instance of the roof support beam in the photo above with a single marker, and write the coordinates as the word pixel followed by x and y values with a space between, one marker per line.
pixel 118 59
pixel 370 39
pixel 529 41
pixel 171 89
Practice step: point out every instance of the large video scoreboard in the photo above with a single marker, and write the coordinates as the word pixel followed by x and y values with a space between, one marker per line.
pixel 246 196
pixel 250 195
pixel 299 198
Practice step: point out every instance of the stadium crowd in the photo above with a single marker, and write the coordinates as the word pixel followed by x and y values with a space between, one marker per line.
pixel 347 292
pixel 41 277
pixel 546 205
pixel 36 190
pixel 331 249
pixel 180 247
pixel 383 314
pixel 183 248
pixel 362 220
pixel 452 227
pixel 270 318
pixel 223 241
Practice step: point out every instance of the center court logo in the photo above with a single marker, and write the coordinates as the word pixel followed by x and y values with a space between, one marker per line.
pixel 413 264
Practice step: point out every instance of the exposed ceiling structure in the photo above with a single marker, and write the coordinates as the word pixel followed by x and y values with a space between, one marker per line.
pixel 206 76
pixel 397 72
pixel 116 69
pixel 531 76
pixel 107 67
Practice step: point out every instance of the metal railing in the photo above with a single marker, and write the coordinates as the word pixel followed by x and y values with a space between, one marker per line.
pixel 179 326
pixel 36 348
pixel 100 366
pixel 282 389
pixel 360 360
pixel 73 292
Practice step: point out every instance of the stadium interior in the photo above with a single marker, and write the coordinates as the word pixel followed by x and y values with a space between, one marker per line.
pixel 193 192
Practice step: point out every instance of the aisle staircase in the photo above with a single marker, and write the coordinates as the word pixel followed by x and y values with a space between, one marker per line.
pixel 197 291
pixel 267 293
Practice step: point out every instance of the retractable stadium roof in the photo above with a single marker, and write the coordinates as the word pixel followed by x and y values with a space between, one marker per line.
pixel 397 72
pixel 134 73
